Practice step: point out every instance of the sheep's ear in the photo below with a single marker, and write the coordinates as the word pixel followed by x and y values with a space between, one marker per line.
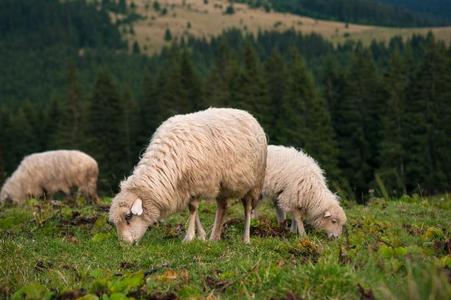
pixel 137 207
pixel 327 214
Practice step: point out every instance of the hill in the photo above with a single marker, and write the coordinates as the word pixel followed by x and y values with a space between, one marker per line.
pixel 156 26
pixel 439 10
pixel 400 13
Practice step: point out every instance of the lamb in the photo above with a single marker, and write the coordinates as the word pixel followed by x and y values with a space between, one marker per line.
pixel 218 153
pixel 43 174
pixel 295 182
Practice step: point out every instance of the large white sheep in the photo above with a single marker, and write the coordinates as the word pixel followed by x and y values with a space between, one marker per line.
pixel 295 182
pixel 43 174
pixel 218 153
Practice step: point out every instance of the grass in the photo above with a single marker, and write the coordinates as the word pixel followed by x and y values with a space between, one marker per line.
pixel 208 19
pixel 390 250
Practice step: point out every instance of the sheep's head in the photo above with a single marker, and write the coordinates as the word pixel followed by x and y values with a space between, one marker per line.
pixel 11 192
pixel 331 220
pixel 128 215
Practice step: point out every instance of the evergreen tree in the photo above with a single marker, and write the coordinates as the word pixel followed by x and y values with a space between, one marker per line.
pixel 276 82
pixel 106 131
pixel 130 129
pixel 216 88
pixel 305 121
pixel 152 112
pixel 427 128
pixel 69 130
pixel 20 139
pixel 392 170
pixel 167 35
pixel 354 150
pixel 191 83
pixel 251 91
pixel 173 95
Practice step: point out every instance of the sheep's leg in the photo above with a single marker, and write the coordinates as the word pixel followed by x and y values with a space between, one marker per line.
pixel 294 227
pixel 191 231
pixel 280 215
pixel 200 229
pixel 297 217
pixel 247 204
pixel 89 190
pixel 217 226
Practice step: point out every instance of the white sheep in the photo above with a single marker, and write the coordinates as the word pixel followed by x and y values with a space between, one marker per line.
pixel 218 153
pixel 295 182
pixel 43 174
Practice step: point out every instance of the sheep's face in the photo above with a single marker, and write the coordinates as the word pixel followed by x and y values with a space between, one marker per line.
pixel 332 221
pixel 127 214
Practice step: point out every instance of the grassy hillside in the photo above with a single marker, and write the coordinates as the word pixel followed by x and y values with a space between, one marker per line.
pixel 390 250
pixel 199 18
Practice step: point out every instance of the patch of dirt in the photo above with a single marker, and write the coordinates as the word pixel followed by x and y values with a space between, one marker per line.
pixel 365 294
pixel 77 219
pixel 42 266
pixel 443 247
pixel 211 282
pixel 127 265
pixel 266 227
pixel 105 208
pixel 412 229
pixel 71 295
pixel 343 257
pixel 289 296
pixel 72 239
pixel 173 231
pixel 306 250
pixel 160 296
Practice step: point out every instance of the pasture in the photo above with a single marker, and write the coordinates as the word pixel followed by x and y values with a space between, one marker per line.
pixel 396 249
pixel 207 19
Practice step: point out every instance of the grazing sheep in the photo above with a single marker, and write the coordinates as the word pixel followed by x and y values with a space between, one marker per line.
pixel 217 153
pixel 43 174
pixel 295 182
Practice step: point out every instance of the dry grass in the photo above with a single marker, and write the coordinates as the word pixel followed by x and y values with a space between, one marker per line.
pixel 208 20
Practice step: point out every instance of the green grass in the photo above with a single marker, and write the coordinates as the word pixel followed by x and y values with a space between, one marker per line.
pixel 390 250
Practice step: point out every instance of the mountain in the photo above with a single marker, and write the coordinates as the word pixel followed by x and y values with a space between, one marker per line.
pixel 399 13
pixel 440 10
pixel 154 25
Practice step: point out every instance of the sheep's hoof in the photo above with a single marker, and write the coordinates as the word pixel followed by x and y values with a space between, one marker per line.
pixel 202 237
pixel 188 238
pixel 247 241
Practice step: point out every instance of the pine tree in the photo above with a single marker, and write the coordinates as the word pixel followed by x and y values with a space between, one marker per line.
pixel 69 130
pixel 304 120
pixel 173 95
pixel 353 147
pixel 152 112
pixel 3 126
pixel 276 83
pixel 427 129
pixel 167 35
pixel 392 169
pixel 191 83
pixel 130 129
pixel 216 88
pixel 106 132
pixel 251 92
pixel 20 140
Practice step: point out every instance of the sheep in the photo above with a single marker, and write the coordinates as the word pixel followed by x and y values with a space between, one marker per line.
pixel 296 184
pixel 43 174
pixel 218 153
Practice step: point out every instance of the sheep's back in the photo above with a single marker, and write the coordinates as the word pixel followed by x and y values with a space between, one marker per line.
pixel 209 152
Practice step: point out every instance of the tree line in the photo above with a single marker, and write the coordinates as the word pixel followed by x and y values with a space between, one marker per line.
pixel 399 13
pixel 376 117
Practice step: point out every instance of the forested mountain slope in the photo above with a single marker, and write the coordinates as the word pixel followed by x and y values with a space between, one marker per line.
pixel 399 13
